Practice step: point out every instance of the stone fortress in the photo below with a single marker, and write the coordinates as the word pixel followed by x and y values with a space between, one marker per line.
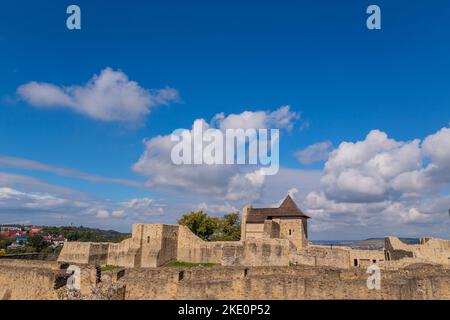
pixel 273 260
pixel 269 237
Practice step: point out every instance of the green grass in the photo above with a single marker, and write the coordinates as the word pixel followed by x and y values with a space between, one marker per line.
pixel 109 267
pixel 183 264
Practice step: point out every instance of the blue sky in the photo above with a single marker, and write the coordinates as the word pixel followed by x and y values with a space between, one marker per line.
pixel 340 79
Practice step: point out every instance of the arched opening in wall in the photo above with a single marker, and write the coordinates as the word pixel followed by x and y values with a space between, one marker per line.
pixel 290 232
pixel 374 261
pixel 388 256
pixel 180 275
pixel 355 262
pixel 148 239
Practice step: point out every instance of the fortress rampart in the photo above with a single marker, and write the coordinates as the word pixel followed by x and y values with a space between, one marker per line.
pixel 18 280
pixel 429 249
pixel 153 245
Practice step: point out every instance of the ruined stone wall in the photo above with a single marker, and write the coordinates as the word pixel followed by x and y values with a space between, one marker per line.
pixel 323 256
pixel 364 258
pixel 51 265
pixel 271 229
pixel 27 280
pixel 432 250
pixel 18 280
pixel 337 256
pixel 84 252
pixel 252 252
pixel 265 252
pixel 244 221
pixel 254 230
pixel 193 249
pixel 159 244
pixel 284 283
pixel 98 253
pixel 126 253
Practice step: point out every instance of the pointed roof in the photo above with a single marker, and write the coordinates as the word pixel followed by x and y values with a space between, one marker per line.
pixel 288 204
pixel 287 209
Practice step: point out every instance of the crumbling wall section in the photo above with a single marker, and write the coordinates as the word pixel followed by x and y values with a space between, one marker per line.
pixel 430 249
pixel 84 253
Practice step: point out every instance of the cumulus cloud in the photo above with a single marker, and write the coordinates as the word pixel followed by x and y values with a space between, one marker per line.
pixel 282 118
pixel 314 153
pixel 109 96
pixel 379 167
pixel 291 192
pixel 371 170
pixel 102 214
pixel 226 182
pixel 217 209
pixel 383 184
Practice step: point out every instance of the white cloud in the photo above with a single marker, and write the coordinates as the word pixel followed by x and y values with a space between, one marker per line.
pixel 102 214
pixel 291 192
pixel 8 193
pixel 383 185
pixel 109 96
pixel 43 203
pixel 314 153
pixel 13 199
pixel 282 118
pixel 137 203
pixel 217 209
pixel 367 170
pixel 26 164
pixel 118 213
pixel 225 182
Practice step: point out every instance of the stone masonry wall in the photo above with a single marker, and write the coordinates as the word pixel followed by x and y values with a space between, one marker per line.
pixel 126 253
pixel 84 252
pixel 18 280
pixel 27 280
pixel 432 250
pixel 284 283
pixel 337 256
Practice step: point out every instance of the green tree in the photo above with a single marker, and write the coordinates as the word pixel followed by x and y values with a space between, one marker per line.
pixel 5 241
pixel 37 242
pixel 229 228
pixel 200 224
pixel 211 228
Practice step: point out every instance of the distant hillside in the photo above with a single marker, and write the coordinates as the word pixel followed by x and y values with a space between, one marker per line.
pixel 86 234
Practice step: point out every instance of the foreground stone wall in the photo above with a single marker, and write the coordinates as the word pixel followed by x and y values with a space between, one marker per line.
pixel 18 280
pixel 27 280
pixel 262 283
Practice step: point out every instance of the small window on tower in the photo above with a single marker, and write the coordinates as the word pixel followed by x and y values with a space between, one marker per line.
pixel 148 239
pixel 290 232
